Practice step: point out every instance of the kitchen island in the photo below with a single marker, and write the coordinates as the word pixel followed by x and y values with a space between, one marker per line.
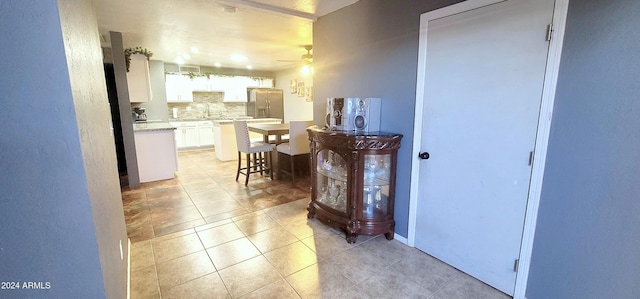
pixel 155 150
pixel 224 135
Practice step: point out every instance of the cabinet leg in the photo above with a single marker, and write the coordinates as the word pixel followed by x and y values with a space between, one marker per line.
pixel 389 235
pixel 312 211
pixel 351 238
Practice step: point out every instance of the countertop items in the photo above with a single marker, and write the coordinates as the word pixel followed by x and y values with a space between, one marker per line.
pixel 152 126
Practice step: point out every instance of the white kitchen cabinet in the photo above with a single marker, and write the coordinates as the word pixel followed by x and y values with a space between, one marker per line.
pixel 266 83
pixel 186 134
pixel 156 155
pixel 235 89
pixel 216 83
pixel 178 88
pixel 205 136
pixel 200 83
pixel 139 79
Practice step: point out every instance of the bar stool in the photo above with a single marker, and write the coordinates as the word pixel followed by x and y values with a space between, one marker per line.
pixel 257 163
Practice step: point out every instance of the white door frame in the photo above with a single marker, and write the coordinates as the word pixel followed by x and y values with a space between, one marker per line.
pixel 542 137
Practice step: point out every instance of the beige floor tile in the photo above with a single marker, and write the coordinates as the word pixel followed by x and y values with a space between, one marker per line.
pixel 366 263
pixel 183 269
pixel 466 286
pixel 211 195
pixel 214 224
pixel 206 287
pixel 255 224
pixel 227 215
pixel 326 244
pixel 201 186
pixel 220 234
pixel 304 228
pixel 391 250
pixel 177 227
pixel 174 235
pixel 141 255
pixel 272 239
pixel 166 216
pixel 277 290
pixel 319 281
pixel 144 283
pixel 217 207
pixel 231 253
pixel 434 273
pixel 391 284
pixel 181 227
pixel 176 247
pixel 249 276
pixel 291 258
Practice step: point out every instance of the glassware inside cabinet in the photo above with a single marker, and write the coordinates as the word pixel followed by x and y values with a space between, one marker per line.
pixel 331 181
pixel 375 191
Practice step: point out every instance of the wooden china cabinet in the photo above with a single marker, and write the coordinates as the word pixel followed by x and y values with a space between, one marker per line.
pixel 353 180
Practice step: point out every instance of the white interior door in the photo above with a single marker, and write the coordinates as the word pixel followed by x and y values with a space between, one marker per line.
pixel 483 85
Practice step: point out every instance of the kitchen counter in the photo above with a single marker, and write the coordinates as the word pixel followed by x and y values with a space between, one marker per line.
pixel 209 118
pixel 155 150
pixel 152 126
pixel 225 136
pixel 250 120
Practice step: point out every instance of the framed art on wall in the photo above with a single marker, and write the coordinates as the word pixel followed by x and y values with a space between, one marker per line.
pixel 294 86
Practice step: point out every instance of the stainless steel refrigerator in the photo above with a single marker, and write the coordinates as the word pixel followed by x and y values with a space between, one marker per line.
pixel 265 103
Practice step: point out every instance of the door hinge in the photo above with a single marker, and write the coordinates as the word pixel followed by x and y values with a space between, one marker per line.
pixel 549 32
pixel 530 158
pixel 516 263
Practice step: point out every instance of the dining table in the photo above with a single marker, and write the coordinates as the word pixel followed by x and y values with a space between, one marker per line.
pixel 267 130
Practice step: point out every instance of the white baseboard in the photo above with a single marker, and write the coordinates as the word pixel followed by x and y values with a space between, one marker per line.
pixel 401 239
pixel 128 268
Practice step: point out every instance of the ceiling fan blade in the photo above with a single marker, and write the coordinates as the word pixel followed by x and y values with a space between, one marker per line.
pixel 281 60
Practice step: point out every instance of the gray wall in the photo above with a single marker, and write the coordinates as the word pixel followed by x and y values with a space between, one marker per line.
pixel 61 217
pixel 587 240
pixel 370 49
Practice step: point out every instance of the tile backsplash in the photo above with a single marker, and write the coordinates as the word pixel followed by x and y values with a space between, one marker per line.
pixel 207 105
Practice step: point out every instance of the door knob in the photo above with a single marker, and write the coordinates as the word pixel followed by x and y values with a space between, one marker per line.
pixel 423 155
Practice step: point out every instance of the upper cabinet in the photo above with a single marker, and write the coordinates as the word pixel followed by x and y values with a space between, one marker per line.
pixel 179 88
pixel 139 79
pixel 236 89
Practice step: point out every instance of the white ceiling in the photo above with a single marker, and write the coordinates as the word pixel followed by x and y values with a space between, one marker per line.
pixel 262 30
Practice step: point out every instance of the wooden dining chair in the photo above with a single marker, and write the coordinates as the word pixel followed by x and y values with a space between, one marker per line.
pixel 255 161
pixel 298 145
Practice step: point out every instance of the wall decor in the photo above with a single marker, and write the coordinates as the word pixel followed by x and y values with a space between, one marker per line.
pixel 309 94
pixel 294 86
pixel 301 90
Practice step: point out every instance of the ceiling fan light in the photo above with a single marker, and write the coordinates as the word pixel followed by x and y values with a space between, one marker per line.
pixel 306 70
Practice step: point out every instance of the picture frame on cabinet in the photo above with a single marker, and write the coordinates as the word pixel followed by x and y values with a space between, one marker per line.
pixel 301 90
pixel 294 86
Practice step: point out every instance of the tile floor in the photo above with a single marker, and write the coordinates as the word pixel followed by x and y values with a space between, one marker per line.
pixel 204 235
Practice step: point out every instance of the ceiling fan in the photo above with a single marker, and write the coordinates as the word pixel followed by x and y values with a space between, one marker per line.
pixel 306 59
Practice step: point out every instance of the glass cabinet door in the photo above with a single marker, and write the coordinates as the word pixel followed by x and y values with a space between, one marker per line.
pixel 375 187
pixel 331 181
